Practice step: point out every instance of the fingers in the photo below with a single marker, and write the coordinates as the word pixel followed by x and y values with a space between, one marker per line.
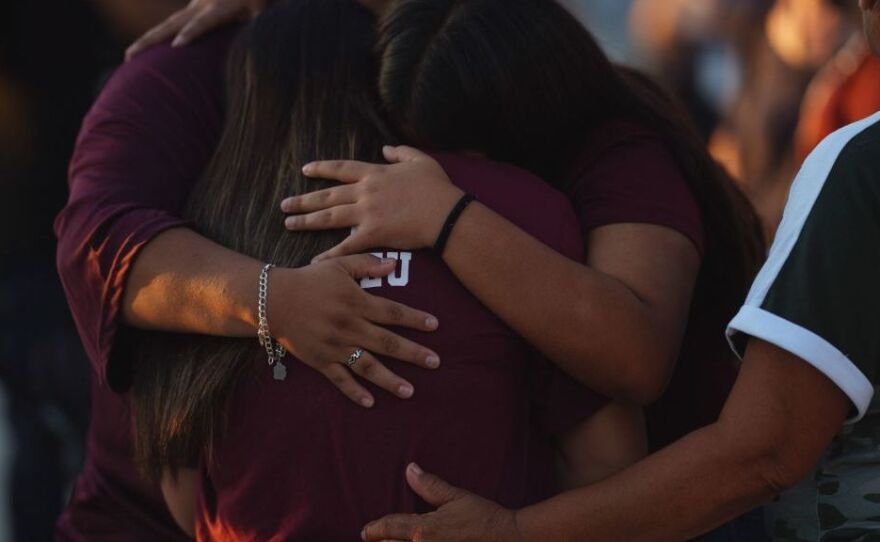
pixel 429 487
pixel 200 24
pixel 162 32
pixel 320 199
pixel 342 378
pixel 362 266
pixel 402 153
pixel 390 313
pixel 344 216
pixel 381 341
pixel 353 244
pixel 394 527
pixel 369 368
pixel 346 171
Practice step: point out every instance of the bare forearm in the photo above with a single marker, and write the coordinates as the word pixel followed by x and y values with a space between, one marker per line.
pixel 183 282
pixel 685 490
pixel 778 420
pixel 589 323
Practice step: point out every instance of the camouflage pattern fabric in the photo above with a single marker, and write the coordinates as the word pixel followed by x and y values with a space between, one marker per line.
pixel 840 500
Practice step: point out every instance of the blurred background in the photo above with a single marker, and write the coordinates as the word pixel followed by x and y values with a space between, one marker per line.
pixel 765 81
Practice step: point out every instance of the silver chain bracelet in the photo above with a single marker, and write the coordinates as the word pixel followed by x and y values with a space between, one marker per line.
pixel 274 350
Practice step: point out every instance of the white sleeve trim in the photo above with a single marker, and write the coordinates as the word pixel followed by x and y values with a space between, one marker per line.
pixel 810 347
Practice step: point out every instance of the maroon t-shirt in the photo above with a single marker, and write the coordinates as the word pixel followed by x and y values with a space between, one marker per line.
pixel 627 174
pixel 142 147
pixel 299 461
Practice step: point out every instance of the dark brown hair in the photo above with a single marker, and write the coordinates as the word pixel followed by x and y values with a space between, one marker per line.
pixel 525 82
pixel 300 87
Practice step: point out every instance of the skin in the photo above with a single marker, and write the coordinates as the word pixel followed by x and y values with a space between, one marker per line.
pixel 194 20
pixel 180 494
pixel 183 282
pixel 201 16
pixel 631 298
pixel 780 417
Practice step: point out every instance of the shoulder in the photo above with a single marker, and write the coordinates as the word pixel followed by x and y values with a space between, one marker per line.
pixel 626 172
pixel 852 147
pixel 613 139
pixel 842 172
pixel 191 76
pixel 816 295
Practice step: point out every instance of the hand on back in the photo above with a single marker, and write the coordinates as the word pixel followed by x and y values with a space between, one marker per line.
pixel 201 16
pixel 322 316
pixel 196 19
pixel 400 205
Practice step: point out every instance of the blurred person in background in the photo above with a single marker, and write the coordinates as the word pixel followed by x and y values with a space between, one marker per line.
pixel 696 48
pixel 756 138
pixel 845 90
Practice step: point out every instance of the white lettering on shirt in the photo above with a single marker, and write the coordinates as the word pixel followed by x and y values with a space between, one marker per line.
pixel 400 276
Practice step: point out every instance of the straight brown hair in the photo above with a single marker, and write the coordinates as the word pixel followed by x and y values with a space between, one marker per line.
pixel 300 87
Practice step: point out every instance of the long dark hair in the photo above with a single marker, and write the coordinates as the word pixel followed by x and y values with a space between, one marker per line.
pixel 300 87
pixel 525 82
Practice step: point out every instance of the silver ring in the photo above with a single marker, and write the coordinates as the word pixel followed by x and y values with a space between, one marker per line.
pixel 352 359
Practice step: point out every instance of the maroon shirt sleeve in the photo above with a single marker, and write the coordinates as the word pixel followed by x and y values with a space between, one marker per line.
pixel 626 174
pixel 140 150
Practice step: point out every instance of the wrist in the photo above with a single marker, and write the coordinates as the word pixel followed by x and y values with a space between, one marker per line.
pixel 446 202
pixel 279 297
pixel 247 283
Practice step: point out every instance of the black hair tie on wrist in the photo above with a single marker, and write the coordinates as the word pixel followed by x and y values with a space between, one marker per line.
pixel 443 238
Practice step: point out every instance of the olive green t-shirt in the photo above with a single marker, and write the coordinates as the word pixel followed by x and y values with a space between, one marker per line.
pixel 818 297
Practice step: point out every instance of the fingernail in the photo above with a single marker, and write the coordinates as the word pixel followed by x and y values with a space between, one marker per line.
pixel 386 148
pixel 406 391
pixel 364 533
pixel 389 260
pixel 291 222
pixel 286 203
pixel 367 402
pixel 432 361
pixel 178 41
pixel 306 169
pixel 431 323
pixel 415 469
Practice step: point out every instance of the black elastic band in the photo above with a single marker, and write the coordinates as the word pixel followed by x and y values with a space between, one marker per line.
pixel 442 239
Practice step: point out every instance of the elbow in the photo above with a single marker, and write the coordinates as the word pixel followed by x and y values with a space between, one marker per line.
pixel 768 463
pixel 646 378
pixel 778 470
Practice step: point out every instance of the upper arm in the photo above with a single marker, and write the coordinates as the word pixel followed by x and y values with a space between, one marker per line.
pixel 658 265
pixel 642 226
pixel 141 148
pixel 783 412
pixel 816 296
